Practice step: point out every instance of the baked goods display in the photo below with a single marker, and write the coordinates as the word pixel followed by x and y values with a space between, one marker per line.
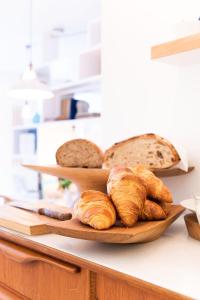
pixel 95 209
pixel 150 150
pixel 79 153
pixel 134 193
pixel 152 212
pixel 128 195
pixel 155 186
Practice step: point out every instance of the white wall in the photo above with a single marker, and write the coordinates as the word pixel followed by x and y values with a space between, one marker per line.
pixel 141 95
pixel 5 136
pixel 73 15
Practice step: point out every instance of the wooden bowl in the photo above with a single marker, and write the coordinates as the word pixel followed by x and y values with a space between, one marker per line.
pixel 142 232
pixel 92 179
pixel 193 226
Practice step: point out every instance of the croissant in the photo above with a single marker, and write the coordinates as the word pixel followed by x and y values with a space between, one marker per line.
pixel 165 206
pixel 155 187
pixel 128 194
pixel 152 212
pixel 95 209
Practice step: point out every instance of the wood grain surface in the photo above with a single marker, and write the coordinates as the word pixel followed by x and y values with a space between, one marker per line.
pixel 141 232
pixel 40 277
pixel 93 179
pixel 23 221
pixel 32 224
pixel 116 276
pixel 193 226
pixel 184 44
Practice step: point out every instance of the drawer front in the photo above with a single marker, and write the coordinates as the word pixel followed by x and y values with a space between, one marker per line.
pixel 108 288
pixel 40 277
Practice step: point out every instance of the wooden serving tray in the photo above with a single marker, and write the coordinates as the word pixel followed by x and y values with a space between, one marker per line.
pixel 92 179
pixel 140 233
pixel 33 224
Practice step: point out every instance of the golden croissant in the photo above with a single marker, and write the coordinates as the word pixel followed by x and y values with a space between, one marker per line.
pixel 152 212
pixel 95 209
pixel 155 187
pixel 128 194
pixel 165 206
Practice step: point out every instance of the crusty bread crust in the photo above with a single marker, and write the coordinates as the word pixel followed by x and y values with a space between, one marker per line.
pixel 80 161
pixel 160 140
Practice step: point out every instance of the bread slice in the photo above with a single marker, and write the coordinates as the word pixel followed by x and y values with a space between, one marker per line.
pixel 149 150
pixel 79 153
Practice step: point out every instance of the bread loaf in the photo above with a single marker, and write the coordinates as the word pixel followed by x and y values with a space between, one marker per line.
pixel 149 150
pixel 95 209
pixel 79 153
pixel 127 193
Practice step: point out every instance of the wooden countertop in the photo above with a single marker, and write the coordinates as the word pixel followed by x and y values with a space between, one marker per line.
pixel 171 262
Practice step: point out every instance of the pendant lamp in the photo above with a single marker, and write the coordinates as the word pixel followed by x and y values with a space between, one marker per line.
pixel 29 86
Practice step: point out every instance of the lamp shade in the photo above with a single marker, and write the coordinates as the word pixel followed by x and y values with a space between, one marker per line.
pixel 30 88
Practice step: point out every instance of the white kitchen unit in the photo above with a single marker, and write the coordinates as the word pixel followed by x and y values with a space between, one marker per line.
pixel 37 144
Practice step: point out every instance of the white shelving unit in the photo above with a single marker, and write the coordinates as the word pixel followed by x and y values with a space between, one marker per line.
pixel 82 85
pixel 25 127
pixel 49 134
pixel 48 137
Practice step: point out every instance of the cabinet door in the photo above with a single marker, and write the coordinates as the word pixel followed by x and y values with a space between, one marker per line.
pixel 114 289
pixel 40 277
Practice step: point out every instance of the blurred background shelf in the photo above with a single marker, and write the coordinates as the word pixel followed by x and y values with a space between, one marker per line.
pixel 82 85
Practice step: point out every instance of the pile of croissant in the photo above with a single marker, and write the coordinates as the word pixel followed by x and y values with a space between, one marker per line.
pixel 133 194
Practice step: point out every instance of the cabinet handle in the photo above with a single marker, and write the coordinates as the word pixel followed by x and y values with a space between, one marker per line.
pixel 25 256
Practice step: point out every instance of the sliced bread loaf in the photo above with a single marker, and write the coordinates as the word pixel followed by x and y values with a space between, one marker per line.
pixel 149 150
pixel 79 153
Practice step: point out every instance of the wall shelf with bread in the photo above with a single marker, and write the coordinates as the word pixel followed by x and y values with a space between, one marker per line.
pixel 184 50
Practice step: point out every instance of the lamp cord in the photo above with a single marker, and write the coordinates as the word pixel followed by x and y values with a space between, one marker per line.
pixel 31 34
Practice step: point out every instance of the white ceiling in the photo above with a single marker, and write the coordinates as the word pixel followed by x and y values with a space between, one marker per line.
pixel 47 14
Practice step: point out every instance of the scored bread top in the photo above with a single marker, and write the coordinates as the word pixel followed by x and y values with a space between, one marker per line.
pixel 149 150
pixel 79 153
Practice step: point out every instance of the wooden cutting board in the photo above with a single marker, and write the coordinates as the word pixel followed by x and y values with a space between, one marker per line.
pixel 23 221
pixel 29 223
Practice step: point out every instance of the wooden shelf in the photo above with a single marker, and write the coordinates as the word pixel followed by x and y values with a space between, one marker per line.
pixel 177 46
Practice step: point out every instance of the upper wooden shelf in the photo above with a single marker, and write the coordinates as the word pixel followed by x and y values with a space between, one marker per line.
pixel 184 44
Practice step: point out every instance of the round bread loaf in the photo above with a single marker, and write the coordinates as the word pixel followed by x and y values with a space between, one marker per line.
pixel 79 153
